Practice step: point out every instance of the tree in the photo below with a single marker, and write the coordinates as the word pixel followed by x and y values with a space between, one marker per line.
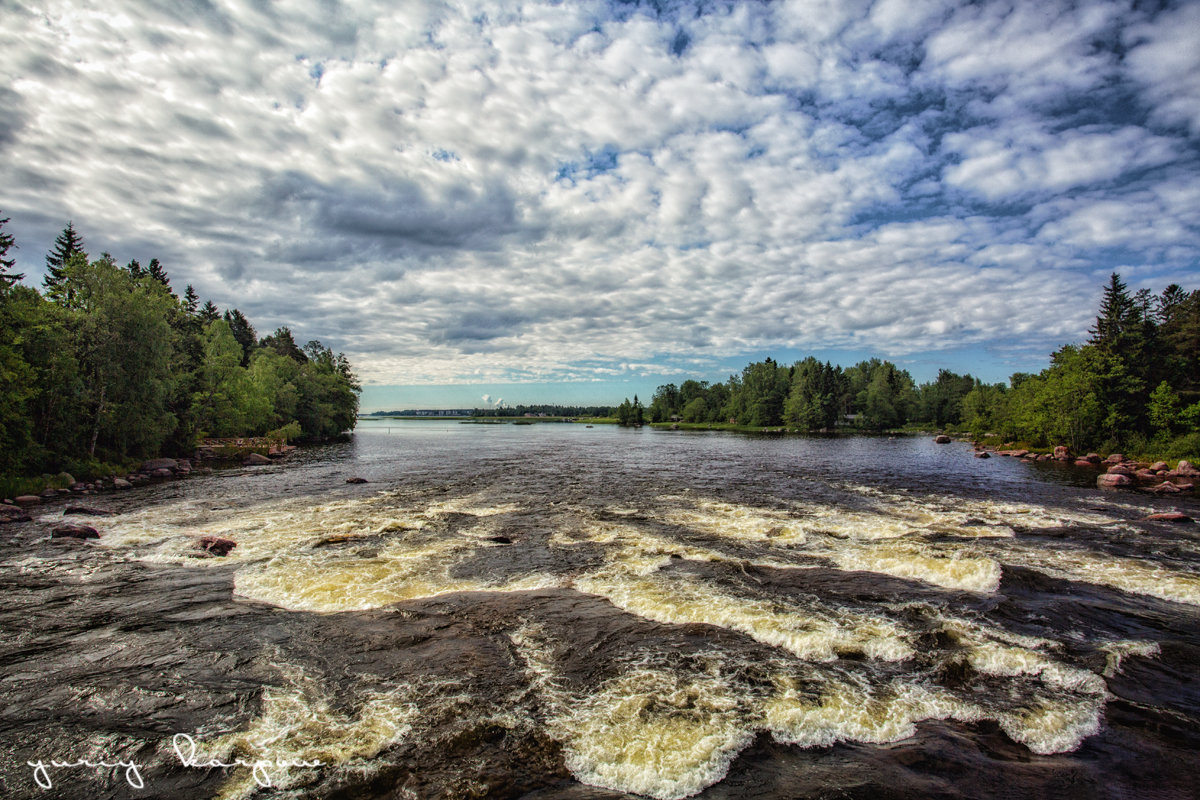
pixel 282 342
pixel 243 332
pixel 66 245
pixel 155 270
pixel 209 312
pixel 191 300
pixel 134 268
pixel 7 242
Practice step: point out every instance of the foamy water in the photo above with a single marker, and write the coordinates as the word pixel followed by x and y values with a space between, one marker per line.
pixel 864 612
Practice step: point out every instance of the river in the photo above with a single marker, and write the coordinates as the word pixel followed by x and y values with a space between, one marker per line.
pixel 557 611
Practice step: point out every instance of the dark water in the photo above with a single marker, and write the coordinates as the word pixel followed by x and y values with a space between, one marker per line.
pixel 553 611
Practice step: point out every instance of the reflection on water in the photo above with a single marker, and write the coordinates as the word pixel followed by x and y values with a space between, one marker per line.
pixel 502 610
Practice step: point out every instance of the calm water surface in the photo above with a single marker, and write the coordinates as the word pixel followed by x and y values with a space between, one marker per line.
pixel 555 611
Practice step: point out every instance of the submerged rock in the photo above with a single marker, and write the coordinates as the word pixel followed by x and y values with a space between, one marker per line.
pixel 217 545
pixel 356 480
pixel 255 460
pixel 983 454
pixel 74 532
pixel 87 511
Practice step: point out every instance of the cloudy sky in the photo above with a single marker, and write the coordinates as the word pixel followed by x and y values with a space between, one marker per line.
pixel 572 201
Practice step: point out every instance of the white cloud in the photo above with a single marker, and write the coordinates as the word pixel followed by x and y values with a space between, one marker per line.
pixel 494 193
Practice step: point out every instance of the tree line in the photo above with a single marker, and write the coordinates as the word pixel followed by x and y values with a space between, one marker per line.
pixel 1134 386
pixel 107 364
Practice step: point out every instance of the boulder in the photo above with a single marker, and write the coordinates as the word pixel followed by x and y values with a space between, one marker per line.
pixel 49 493
pixel 1170 516
pixel 1093 457
pixel 1166 487
pixel 1061 453
pixel 255 460
pixel 1109 480
pixel 159 463
pixel 1186 468
pixel 1115 458
pixel 74 532
pixel 216 545
pixel 1045 457
pixel 87 511
pixel 1018 453
pixel 1146 476
pixel 983 454
pixel 1159 466
pixel 1083 462
pixel 162 472
pixel 28 500
pixel 1120 469
pixel 356 480
pixel 13 514
pixel 121 483
pixel 941 439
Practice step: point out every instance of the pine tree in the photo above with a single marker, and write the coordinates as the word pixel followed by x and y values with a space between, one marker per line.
pixel 243 331
pixel 7 242
pixel 155 270
pixel 134 268
pixel 191 300
pixel 209 312
pixel 67 244
pixel 1117 313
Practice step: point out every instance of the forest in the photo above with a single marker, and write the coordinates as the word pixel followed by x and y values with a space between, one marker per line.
pixel 1133 386
pixel 106 365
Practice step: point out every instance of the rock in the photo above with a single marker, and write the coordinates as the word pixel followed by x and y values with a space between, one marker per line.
pixel 983 454
pixel 1093 457
pixel 122 483
pixel 162 472
pixel 1061 453
pixel 1166 487
pixel 1170 516
pixel 1186 468
pixel 1018 453
pixel 1120 469
pixel 1159 466
pixel 941 439
pixel 1109 480
pixel 49 493
pixel 28 500
pixel 74 532
pixel 1115 458
pixel 1083 462
pixel 216 545
pixel 1045 457
pixel 500 539
pixel 13 514
pixel 255 460
pixel 356 480
pixel 87 511
pixel 78 487
pixel 1145 475
pixel 159 463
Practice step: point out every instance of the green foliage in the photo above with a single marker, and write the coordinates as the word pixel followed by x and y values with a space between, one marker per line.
pixel 110 368
pixel 7 242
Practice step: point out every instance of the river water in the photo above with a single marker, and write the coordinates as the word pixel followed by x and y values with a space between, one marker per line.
pixel 557 611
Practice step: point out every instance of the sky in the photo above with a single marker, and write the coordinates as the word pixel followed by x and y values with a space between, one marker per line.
pixel 577 201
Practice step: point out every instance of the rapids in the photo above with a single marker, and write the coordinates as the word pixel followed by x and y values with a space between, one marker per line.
pixel 550 611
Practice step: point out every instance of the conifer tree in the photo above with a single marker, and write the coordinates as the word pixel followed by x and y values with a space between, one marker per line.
pixel 191 300
pixel 134 268
pixel 1117 312
pixel 7 242
pixel 66 245
pixel 209 312
pixel 155 270
pixel 243 331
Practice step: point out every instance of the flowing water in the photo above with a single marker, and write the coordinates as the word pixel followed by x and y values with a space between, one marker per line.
pixel 555 611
